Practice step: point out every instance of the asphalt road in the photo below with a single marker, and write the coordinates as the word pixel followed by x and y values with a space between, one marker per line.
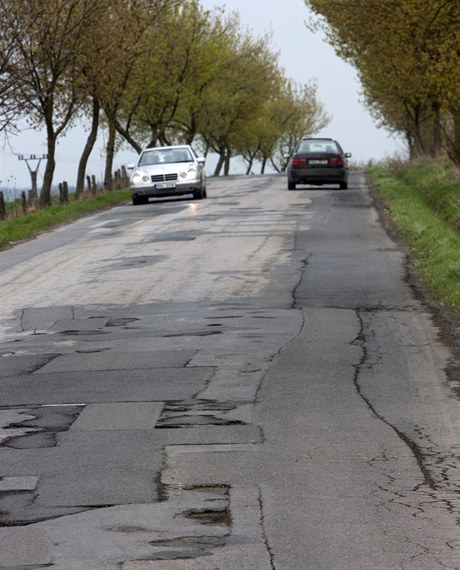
pixel 243 382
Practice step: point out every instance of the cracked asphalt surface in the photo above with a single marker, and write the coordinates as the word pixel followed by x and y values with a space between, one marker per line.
pixel 247 381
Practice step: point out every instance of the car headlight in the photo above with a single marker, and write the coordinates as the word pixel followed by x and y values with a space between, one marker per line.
pixel 139 178
pixel 190 174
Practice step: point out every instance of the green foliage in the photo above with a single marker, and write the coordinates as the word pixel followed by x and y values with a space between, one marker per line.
pixel 406 53
pixel 151 71
pixel 30 225
pixel 430 232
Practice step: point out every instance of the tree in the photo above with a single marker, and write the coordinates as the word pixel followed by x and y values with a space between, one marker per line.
pixel 168 97
pixel 247 76
pixel 111 72
pixel 9 108
pixel 47 39
pixel 407 56
pixel 130 23
pixel 299 114
pixel 289 114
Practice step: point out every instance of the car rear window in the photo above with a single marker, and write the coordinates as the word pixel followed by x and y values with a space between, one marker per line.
pixel 318 146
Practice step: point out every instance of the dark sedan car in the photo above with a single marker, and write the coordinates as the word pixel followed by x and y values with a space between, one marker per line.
pixel 318 161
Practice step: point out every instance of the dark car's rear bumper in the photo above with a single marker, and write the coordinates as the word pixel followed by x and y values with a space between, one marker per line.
pixel 317 175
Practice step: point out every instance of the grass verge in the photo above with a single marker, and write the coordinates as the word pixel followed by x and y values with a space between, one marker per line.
pixel 30 225
pixel 424 205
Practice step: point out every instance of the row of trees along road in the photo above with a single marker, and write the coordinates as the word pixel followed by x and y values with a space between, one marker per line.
pixel 151 72
pixel 407 53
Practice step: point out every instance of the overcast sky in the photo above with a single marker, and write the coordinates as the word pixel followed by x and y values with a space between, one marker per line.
pixel 304 55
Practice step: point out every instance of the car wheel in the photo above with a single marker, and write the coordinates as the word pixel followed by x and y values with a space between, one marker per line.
pixel 199 194
pixel 291 185
pixel 138 200
pixel 343 185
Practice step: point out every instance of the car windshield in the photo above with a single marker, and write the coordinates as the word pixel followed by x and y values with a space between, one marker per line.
pixel 318 146
pixel 165 156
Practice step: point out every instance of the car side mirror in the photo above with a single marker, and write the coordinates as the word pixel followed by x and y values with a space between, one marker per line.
pixel 347 154
pixel 130 166
pixel 201 159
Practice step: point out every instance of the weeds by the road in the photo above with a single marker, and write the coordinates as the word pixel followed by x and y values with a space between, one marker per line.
pixel 30 225
pixel 423 200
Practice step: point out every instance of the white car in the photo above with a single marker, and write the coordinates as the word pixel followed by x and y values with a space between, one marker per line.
pixel 168 171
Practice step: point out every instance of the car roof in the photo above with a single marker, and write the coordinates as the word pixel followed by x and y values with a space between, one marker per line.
pixel 317 139
pixel 166 147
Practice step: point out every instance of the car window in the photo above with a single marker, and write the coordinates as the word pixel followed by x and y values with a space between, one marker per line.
pixel 165 156
pixel 318 146
pixel 149 157
pixel 304 147
pixel 176 155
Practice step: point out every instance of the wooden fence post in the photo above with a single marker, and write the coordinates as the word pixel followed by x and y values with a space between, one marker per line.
pixel 24 202
pixel 63 193
pixel 117 177
pixel 2 207
pixel 124 177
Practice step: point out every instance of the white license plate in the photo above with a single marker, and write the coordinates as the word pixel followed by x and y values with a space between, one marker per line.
pixel 164 185
pixel 318 161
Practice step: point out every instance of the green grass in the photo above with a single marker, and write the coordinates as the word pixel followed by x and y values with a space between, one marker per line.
pixel 438 184
pixel 423 200
pixel 28 226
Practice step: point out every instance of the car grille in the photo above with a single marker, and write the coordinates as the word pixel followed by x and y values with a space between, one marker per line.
pixel 164 177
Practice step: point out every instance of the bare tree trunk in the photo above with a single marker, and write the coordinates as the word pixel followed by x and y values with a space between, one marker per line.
pixel 227 162
pixel 437 130
pixel 220 163
pixel 250 161
pixel 45 195
pixel 129 139
pixel 263 165
pixel 110 153
pixel 90 142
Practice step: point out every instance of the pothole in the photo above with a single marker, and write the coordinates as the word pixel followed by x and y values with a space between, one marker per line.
pixel 186 547
pixel 209 516
pixel 191 333
pixel 82 332
pixel 121 322
pixel 198 413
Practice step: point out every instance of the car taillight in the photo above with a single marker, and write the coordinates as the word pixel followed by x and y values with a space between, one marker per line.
pixel 299 162
pixel 336 161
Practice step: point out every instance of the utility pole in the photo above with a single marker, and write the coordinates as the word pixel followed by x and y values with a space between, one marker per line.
pixel 33 172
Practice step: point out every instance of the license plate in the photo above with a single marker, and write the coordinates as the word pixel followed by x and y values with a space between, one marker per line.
pixel 164 185
pixel 318 161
